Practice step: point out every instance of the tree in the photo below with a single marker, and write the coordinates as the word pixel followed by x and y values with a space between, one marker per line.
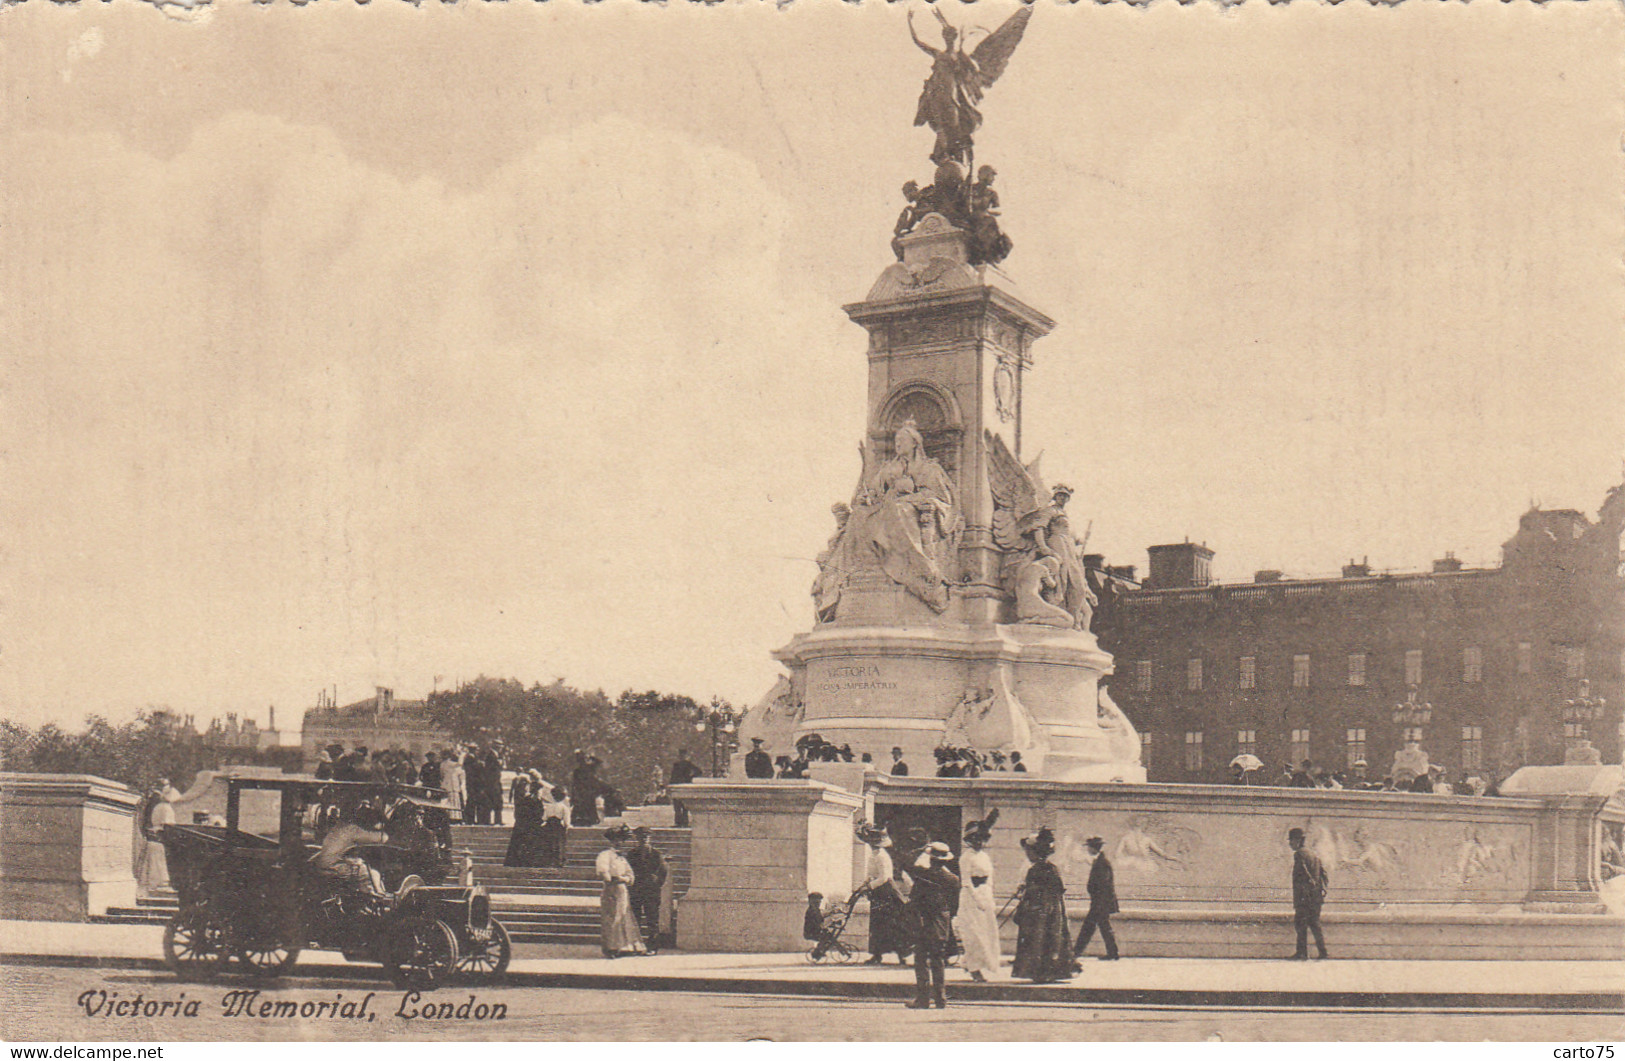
pixel 544 725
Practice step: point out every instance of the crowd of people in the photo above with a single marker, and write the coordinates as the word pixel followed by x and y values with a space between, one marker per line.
pixel 813 748
pixel 920 907
pixel 1433 779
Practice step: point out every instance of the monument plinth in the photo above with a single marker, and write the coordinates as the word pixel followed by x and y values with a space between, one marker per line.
pixel 952 607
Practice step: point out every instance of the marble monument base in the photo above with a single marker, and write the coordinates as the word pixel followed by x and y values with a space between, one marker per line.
pixel 879 687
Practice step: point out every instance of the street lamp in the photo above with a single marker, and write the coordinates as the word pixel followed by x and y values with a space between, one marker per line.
pixel 719 722
pixel 1583 709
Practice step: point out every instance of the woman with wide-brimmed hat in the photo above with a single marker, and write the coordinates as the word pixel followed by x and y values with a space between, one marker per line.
pixel 978 919
pixel 619 929
pixel 1043 940
pixel 887 932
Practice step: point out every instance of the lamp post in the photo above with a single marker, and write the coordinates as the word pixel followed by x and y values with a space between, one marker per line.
pixel 719 722
pixel 1582 710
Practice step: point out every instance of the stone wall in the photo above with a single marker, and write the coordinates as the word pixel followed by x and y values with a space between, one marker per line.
pixel 64 846
pixel 757 849
pixel 1201 870
pixel 1220 845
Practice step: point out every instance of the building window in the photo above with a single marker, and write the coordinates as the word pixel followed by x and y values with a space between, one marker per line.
pixel 1355 747
pixel 1413 667
pixel 1300 671
pixel 1145 750
pixel 1472 664
pixel 1193 675
pixel 1300 746
pixel 1472 747
pixel 1247 742
pixel 1248 675
pixel 1142 675
pixel 1526 657
pixel 1574 661
pixel 1356 668
pixel 1193 751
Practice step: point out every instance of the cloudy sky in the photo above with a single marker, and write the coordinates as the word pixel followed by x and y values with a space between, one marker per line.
pixel 369 345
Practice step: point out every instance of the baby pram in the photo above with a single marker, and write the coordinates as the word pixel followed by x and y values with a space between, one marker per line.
pixel 828 948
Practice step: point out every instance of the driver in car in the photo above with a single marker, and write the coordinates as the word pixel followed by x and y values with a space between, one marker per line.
pixel 335 859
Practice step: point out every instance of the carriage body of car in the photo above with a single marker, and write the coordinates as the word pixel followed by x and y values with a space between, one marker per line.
pixel 261 900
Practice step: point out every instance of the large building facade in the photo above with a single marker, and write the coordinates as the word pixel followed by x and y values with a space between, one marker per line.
pixel 381 722
pixel 1289 669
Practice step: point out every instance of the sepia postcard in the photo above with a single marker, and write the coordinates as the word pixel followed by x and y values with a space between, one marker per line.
pixel 818 521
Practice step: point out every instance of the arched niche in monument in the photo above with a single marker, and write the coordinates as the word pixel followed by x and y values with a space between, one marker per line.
pixel 936 416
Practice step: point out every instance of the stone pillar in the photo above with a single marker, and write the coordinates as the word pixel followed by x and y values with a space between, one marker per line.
pixel 1567 856
pixel 756 850
pixel 64 846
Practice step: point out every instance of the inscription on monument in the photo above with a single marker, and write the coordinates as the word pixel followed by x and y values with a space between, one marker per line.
pixel 855 678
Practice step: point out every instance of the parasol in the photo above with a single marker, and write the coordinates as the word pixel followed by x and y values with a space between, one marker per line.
pixel 1248 763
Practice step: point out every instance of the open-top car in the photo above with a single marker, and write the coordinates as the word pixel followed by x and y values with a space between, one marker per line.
pixel 362 868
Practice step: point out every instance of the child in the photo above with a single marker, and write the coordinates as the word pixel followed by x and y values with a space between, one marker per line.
pixel 812 923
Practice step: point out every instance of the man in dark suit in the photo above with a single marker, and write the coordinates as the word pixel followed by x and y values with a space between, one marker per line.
pixel 683 772
pixel 1102 902
pixel 898 767
pixel 1309 883
pixel 758 763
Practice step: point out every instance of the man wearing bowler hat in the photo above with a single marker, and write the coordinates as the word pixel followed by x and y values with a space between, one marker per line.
pixel 1309 883
pixel 1102 902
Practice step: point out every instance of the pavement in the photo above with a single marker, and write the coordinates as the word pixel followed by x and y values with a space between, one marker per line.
pixel 1175 982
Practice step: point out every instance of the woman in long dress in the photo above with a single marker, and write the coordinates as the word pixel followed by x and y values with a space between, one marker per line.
pixel 1043 940
pixel 453 782
pixel 154 867
pixel 620 933
pixel 978 919
pixel 555 828
pixel 887 931
pixel 525 842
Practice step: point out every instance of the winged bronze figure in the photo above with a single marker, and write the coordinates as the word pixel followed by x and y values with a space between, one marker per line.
pixel 953 91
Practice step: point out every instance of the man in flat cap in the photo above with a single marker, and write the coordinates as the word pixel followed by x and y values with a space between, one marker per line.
pixel 1102 902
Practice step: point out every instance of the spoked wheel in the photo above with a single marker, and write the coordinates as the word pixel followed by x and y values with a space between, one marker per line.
pixel 195 946
pixel 421 954
pixel 844 955
pixel 484 960
pixel 268 961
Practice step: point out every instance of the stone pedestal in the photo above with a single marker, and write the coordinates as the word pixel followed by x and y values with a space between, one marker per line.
pixel 64 846
pixel 1566 854
pixel 877 688
pixel 757 849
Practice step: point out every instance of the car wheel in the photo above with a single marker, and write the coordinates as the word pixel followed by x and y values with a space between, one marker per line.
pixel 421 954
pixel 483 960
pixel 269 961
pixel 195 945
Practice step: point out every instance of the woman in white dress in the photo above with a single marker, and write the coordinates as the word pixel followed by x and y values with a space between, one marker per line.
pixel 154 868
pixel 453 780
pixel 620 932
pixel 978 921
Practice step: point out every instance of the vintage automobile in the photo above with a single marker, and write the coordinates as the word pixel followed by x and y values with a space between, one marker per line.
pixel 262 899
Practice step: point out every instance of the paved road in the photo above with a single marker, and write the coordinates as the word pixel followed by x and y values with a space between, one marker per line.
pixel 42 1004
